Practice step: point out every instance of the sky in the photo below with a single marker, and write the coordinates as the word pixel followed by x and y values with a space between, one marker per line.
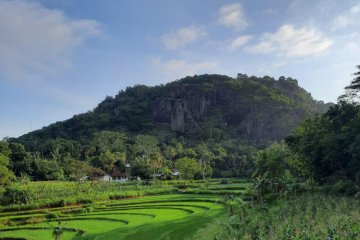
pixel 59 58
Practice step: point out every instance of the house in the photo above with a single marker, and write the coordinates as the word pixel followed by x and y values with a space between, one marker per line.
pixel 157 175
pixel 84 178
pixel 175 173
pixel 115 175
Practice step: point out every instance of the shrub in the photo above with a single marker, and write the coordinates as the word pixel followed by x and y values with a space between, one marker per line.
pixel 224 181
pixel 52 215
pixel 17 196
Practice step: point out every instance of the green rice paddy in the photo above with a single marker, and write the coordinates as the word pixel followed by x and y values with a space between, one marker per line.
pixel 163 216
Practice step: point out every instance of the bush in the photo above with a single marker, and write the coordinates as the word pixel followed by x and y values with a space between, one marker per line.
pixel 16 196
pixel 52 215
pixel 341 187
pixel 224 181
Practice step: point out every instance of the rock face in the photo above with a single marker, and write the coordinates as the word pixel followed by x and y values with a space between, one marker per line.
pixel 254 110
pixel 182 112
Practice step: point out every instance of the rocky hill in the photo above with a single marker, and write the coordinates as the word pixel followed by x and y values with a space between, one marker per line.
pixel 254 110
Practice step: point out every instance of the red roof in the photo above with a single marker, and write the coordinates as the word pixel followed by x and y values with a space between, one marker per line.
pixel 115 172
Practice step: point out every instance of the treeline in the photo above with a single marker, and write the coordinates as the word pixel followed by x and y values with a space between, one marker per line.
pixel 323 150
pixel 62 159
pixel 328 145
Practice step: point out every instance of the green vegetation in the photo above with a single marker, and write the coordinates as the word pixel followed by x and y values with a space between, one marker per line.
pixel 188 167
pixel 5 174
pixel 214 119
pixel 216 209
pixel 161 216
pixel 326 147
pixel 308 216
pixel 306 187
pixel 58 194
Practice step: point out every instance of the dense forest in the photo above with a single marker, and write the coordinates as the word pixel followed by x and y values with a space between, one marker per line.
pixel 213 123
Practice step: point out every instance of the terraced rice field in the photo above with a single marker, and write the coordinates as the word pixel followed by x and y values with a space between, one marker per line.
pixel 171 216
pixel 153 217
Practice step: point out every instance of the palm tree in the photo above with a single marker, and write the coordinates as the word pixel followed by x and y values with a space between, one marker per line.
pixel 261 184
pixel 57 231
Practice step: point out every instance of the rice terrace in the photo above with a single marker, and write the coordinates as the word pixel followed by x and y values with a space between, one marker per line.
pixel 173 211
pixel 179 120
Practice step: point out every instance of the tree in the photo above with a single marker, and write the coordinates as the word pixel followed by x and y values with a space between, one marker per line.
pixel 156 162
pixel 145 145
pixel 188 152
pixel 6 176
pixel 188 167
pixel 75 170
pixel 167 173
pixel 352 90
pixel 170 152
pixel 327 146
pixel 105 160
pixel 94 173
pixel 146 156
pixel 107 140
pixel 272 161
pixel 48 170
pixel 19 159
pixel 205 156
pixel 272 177
pixel 355 83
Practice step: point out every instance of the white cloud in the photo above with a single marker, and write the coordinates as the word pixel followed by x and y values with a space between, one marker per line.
pixel 355 9
pixel 262 47
pixel 183 37
pixel 36 41
pixel 233 15
pixel 239 42
pixel 179 68
pixel 279 64
pixel 290 42
pixel 347 18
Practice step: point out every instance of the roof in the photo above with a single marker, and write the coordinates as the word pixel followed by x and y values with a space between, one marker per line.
pixel 175 172
pixel 115 172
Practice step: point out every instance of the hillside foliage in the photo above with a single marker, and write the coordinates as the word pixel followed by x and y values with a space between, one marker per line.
pixel 217 120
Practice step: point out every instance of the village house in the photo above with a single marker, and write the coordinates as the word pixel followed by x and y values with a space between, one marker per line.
pixel 115 175
pixel 175 173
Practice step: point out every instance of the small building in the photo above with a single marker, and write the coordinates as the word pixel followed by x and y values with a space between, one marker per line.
pixel 115 175
pixel 84 178
pixel 175 172
pixel 157 175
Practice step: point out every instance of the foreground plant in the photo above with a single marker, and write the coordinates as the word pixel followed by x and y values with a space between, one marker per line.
pixel 307 216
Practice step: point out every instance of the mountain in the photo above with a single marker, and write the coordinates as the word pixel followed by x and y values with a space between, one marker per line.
pixel 253 110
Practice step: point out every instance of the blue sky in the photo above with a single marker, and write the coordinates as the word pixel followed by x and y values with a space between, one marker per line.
pixel 62 57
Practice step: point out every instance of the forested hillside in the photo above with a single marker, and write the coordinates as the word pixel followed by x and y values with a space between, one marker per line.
pixel 254 110
pixel 215 119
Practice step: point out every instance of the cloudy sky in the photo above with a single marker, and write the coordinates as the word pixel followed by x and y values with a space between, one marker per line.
pixel 62 57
